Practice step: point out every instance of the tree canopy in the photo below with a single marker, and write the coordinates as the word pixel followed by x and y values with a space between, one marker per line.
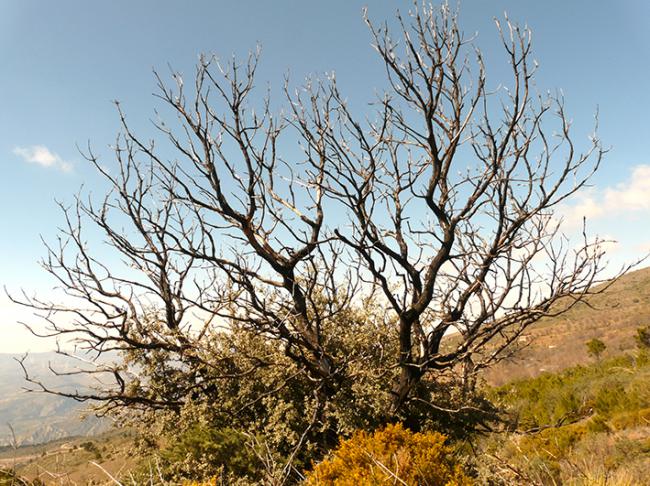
pixel 351 283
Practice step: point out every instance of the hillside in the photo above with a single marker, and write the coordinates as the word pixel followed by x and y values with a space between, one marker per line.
pixel 39 417
pixel 555 344
pixel 72 461
pixel 587 425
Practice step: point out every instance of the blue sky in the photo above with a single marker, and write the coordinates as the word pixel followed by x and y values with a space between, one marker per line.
pixel 63 62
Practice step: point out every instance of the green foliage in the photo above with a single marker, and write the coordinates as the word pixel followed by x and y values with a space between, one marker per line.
pixel 279 406
pixel 585 422
pixel 595 347
pixel 598 423
pixel 205 452
pixel 91 447
pixel 392 455
pixel 607 388
pixel 270 398
pixel 631 418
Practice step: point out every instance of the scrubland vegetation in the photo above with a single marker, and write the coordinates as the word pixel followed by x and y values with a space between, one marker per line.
pixel 586 425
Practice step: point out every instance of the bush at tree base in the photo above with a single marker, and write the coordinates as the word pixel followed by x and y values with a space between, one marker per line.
pixel 393 455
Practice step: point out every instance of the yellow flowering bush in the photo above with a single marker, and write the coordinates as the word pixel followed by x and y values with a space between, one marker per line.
pixel 393 455
pixel 210 482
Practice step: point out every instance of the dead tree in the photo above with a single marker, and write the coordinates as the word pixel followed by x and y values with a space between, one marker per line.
pixel 442 206
pixel 451 193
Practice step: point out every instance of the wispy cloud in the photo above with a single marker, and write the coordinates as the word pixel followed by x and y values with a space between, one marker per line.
pixel 634 195
pixel 41 155
pixel 627 198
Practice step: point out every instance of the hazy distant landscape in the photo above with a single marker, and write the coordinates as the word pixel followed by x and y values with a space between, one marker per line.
pixel 38 417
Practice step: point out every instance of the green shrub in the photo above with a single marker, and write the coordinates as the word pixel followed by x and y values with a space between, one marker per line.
pixel 91 447
pixel 629 419
pixel 584 423
pixel 595 347
pixel 276 403
pixel 598 424
pixel 642 337
pixel 202 451
pixel 606 388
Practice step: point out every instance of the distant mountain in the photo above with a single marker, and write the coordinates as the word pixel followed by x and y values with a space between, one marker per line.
pixel 555 344
pixel 38 417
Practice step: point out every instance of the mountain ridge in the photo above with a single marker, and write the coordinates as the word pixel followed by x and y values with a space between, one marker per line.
pixel 32 417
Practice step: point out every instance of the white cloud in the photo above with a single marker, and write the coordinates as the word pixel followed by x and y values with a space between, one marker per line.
pixel 633 195
pixel 583 205
pixel 41 155
pixel 627 198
